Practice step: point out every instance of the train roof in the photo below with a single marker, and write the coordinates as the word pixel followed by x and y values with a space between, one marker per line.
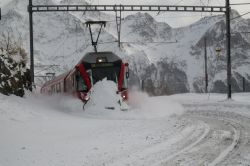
pixel 92 56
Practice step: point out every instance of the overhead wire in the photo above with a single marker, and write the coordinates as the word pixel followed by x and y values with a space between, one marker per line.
pixel 162 42
pixel 201 15
pixel 240 15
pixel 236 4
pixel 178 2
pixel 45 69
pixel 170 17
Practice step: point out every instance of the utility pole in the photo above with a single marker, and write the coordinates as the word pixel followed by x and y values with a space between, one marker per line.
pixel 243 84
pixel 142 86
pixel 118 16
pixel 205 53
pixel 229 90
pixel 31 44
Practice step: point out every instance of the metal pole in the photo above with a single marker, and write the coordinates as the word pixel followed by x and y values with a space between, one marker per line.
pixel 142 85
pixel 229 91
pixel 31 44
pixel 244 85
pixel 0 14
pixel 206 75
pixel 120 26
pixel 118 15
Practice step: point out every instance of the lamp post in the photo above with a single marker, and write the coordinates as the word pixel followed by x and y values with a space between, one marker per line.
pixel 31 44
pixel 228 9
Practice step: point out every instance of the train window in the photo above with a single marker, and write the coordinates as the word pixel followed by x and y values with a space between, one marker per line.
pixel 90 76
pixel 81 86
pixel 73 81
pixel 125 81
pixel 59 88
pixel 62 90
pixel 99 73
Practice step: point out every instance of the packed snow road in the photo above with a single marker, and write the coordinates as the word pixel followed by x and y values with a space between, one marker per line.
pixel 207 136
pixel 227 141
pixel 183 129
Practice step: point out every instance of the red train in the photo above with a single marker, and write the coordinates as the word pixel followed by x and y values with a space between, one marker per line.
pixel 93 67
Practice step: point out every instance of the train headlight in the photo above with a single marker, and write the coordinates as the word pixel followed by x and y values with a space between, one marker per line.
pixel 101 59
pixel 87 98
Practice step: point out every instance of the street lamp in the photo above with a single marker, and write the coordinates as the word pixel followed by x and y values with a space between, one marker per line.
pixel 218 51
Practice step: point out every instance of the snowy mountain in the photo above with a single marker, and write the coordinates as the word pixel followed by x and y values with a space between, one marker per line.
pixel 165 60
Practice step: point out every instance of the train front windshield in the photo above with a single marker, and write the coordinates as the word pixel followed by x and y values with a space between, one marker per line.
pixel 105 70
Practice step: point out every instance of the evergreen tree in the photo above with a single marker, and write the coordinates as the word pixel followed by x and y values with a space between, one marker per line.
pixel 14 75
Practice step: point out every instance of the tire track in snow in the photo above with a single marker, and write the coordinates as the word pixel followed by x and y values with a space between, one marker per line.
pixel 231 147
pixel 241 141
pixel 187 148
pixel 239 137
pixel 157 153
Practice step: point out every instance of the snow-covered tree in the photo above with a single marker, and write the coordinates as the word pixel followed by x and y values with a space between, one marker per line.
pixel 14 76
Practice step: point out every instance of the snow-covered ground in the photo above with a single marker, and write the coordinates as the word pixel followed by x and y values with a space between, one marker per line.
pixel 184 129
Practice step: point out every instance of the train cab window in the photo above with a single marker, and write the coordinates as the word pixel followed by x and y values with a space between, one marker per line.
pixel 80 84
pixel 99 73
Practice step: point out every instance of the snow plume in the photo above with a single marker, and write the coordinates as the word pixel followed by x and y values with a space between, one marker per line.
pixel 104 104
pixel 152 107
